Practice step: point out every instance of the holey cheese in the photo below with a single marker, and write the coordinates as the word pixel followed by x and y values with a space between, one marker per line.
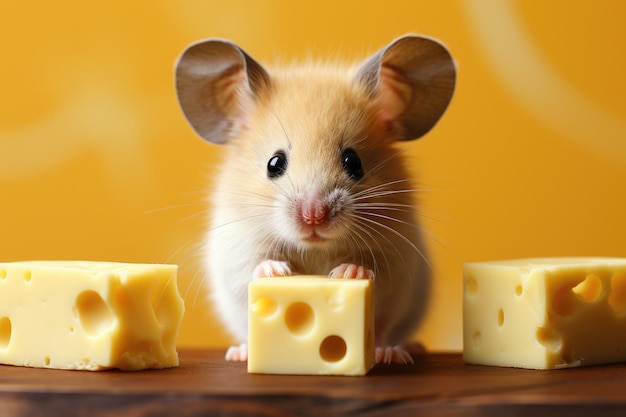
pixel 545 313
pixel 311 325
pixel 89 315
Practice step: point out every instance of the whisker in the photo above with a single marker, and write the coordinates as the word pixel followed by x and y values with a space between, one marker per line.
pixel 246 194
pixel 243 219
pixel 374 192
pixel 383 205
pixel 191 253
pixel 199 287
pixel 365 230
pixel 364 226
pixel 174 206
pixel 384 186
pixel 194 216
pixel 385 162
pixel 282 126
pixel 391 218
pixel 398 234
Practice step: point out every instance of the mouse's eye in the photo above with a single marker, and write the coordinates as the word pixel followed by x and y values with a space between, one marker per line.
pixel 277 165
pixel 351 163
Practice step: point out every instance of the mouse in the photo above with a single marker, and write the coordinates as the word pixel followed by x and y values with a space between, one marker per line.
pixel 313 178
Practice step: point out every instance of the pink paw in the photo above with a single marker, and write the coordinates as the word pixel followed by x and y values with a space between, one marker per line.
pixel 270 268
pixel 393 354
pixel 237 353
pixel 399 354
pixel 351 271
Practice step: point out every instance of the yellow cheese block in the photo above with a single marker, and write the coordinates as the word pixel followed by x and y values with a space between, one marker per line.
pixel 89 315
pixel 545 313
pixel 311 325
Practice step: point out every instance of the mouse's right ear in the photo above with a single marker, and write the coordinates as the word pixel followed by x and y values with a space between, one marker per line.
pixel 217 84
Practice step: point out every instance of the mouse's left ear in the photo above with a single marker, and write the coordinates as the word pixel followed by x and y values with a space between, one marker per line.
pixel 413 80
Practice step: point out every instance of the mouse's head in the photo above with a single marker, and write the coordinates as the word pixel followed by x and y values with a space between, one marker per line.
pixel 317 140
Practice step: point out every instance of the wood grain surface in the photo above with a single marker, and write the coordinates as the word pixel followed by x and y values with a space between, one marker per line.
pixel 204 384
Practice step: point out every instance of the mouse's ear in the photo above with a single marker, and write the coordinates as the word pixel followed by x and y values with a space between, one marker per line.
pixel 413 79
pixel 217 84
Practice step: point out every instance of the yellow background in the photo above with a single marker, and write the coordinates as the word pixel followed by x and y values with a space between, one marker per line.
pixel 97 162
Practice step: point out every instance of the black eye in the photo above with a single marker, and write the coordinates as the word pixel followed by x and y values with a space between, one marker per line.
pixel 352 164
pixel 277 165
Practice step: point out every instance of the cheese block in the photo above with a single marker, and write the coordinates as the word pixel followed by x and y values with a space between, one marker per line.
pixel 545 313
pixel 89 315
pixel 311 325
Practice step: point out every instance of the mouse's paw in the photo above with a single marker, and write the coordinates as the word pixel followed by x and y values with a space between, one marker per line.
pixel 237 353
pixel 351 271
pixel 402 354
pixel 269 268
pixel 393 354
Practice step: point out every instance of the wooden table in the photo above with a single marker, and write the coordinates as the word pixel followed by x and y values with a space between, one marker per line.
pixel 204 384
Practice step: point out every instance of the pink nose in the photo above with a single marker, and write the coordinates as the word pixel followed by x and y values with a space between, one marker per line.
pixel 313 211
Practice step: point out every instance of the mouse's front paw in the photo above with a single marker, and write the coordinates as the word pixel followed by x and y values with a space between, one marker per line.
pixel 393 354
pixel 351 271
pixel 269 268
pixel 402 354
pixel 237 353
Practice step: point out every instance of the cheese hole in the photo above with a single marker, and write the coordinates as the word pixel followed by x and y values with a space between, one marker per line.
pixel 551 340
pixel 94 314
pixel 46 361
pixel 476 337
pixel 27 275
pixel 162 306
pixel 5 332
pixel 299 318
pixel 589 289
pixel 3 273
pixel 500 317
pixel 518 290
pixel 471 285
pixel 617 297
pixel 333 348
pixel 264 307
